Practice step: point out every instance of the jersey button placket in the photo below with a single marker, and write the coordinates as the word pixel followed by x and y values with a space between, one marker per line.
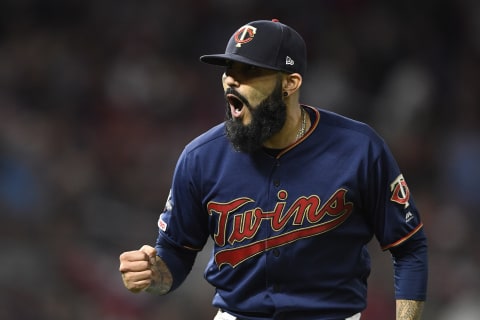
pixel 275 253
pixel 276 181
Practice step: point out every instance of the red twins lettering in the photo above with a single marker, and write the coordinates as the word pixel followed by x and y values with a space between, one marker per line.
pixel 246 224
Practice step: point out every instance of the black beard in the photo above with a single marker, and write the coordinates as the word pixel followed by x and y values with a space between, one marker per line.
pixel 268 118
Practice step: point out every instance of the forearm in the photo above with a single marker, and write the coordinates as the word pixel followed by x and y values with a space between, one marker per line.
pixel 409 309
pixel 162 279
pixel 178 260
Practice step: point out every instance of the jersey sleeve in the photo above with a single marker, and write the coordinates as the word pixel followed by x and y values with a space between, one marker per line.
pixel 411 268
pixel 391 208
pixel 183 224
pixel 398 227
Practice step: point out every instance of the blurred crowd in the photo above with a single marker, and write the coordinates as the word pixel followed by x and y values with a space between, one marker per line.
pixel 98 99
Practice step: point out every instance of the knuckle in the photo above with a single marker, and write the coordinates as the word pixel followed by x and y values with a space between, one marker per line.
pixel 122 256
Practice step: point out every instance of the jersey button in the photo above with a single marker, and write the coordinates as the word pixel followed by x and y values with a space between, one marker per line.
pixel 276 252
pixel 276 183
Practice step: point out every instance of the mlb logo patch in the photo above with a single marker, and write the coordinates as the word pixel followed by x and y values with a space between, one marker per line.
pixel 162 225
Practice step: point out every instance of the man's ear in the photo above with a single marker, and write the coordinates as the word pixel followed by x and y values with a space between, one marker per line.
pixel 291 83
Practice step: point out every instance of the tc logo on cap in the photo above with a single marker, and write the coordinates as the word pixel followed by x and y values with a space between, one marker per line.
pixel 244 35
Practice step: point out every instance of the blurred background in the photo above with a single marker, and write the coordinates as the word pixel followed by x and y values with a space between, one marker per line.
pixel 98 99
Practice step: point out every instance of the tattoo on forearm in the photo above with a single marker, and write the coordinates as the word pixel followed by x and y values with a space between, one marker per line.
pixel 409 309
pixel 162 277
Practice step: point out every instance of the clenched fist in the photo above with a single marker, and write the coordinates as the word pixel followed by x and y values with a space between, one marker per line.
pixel 143 269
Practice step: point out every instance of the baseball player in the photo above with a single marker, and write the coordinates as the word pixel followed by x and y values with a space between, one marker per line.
pixel 290 194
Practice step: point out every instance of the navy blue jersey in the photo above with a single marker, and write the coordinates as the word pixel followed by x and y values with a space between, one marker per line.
pixel 290 230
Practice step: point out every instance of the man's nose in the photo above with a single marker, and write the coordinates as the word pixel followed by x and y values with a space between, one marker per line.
pixel 230 80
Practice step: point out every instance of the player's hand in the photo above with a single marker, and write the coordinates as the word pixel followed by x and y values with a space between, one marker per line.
pixel 137 267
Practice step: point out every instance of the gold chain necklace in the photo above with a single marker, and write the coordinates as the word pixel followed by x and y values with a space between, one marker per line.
pixel 301 131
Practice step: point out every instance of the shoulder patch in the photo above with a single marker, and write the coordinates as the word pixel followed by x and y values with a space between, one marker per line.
pixel 400 191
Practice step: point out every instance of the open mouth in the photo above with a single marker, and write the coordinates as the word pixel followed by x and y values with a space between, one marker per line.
pixel 236 104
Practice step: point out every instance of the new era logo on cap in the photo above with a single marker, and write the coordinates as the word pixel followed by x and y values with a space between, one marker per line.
pixel 267 44
pixel 289 61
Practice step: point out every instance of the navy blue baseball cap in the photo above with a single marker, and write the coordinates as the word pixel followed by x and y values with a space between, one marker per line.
pixel 267 44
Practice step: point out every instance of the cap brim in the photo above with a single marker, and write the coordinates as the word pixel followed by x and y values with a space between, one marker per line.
pixel 224 58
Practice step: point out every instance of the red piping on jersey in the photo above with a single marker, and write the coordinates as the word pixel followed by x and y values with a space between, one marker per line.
pixel 312 127
pixel 396 243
